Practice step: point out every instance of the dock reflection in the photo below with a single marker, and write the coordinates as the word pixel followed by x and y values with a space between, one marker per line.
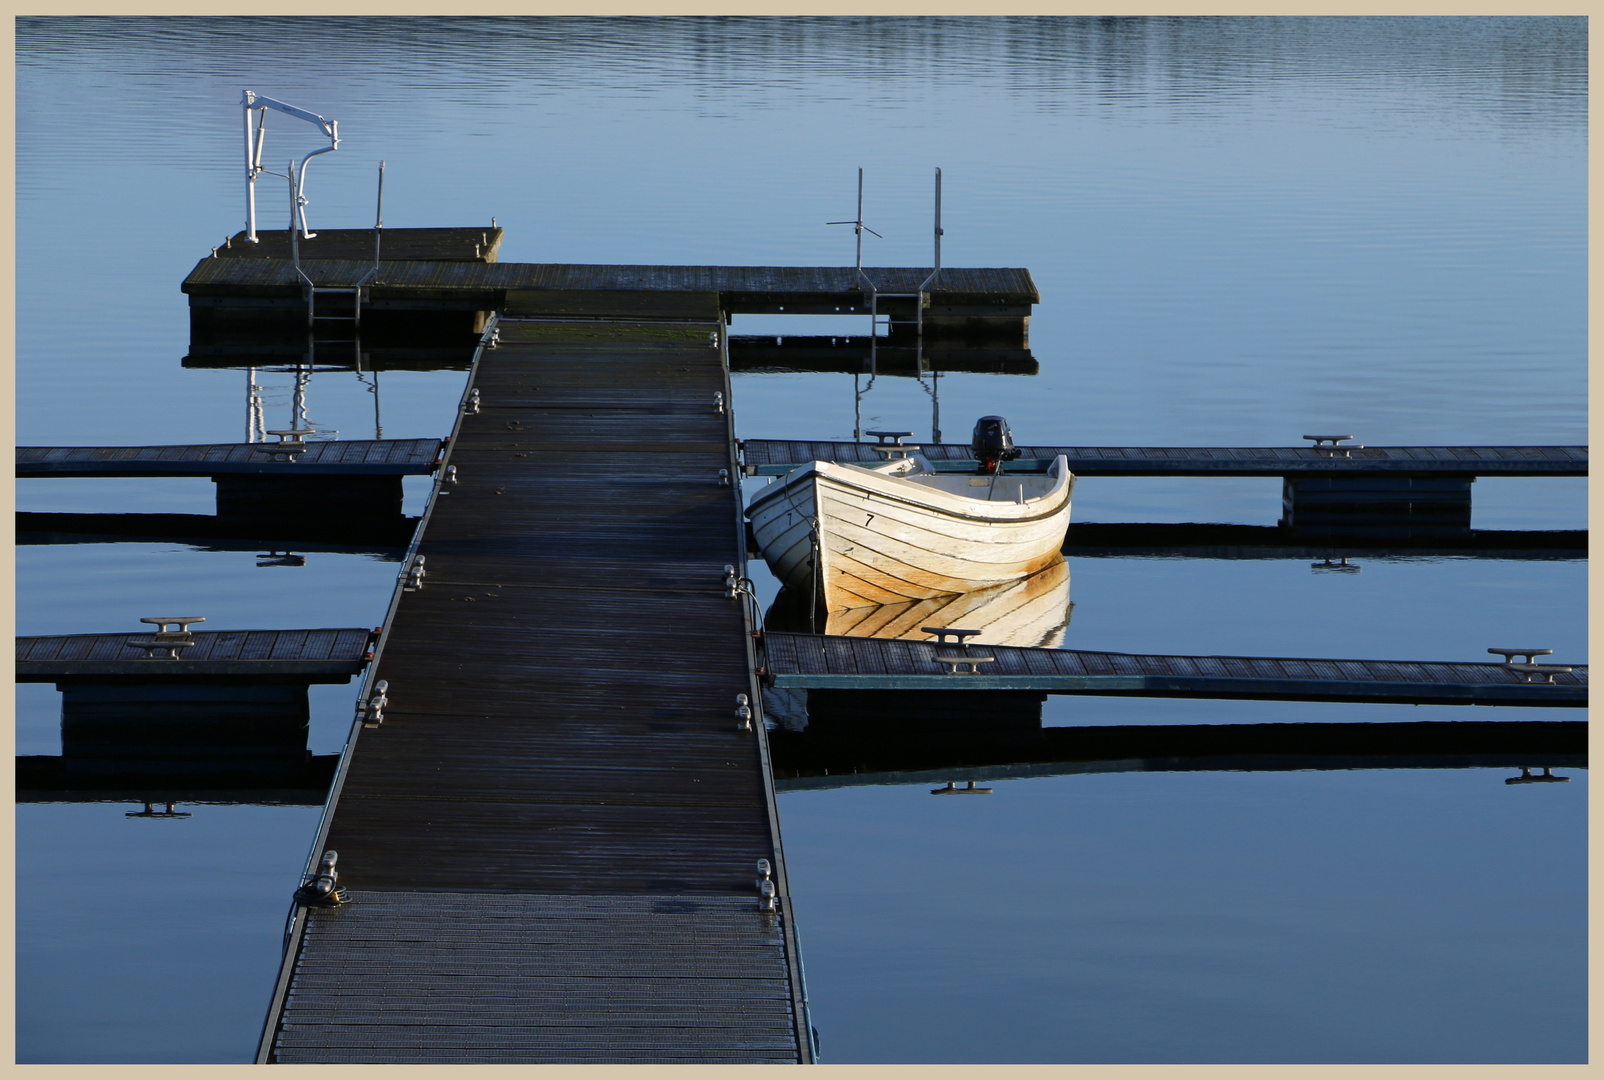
pixel 840 738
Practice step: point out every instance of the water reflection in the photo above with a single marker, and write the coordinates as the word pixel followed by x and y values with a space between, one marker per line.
pixel 850 738
pixel 1235 224
pixel 1034 611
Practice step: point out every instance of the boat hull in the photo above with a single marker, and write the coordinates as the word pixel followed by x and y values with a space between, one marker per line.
pixel 863 538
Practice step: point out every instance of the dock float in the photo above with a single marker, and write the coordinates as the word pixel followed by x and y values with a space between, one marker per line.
pixel 551 816
pixel 776 457
pixel 292 478
pixel 962 299
pixel 1330 489
pixel 332 457
pixel 817 661
pixel 307 656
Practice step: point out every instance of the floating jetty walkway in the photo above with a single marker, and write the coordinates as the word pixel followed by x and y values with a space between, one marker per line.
pixel 818 661
pixel 551 828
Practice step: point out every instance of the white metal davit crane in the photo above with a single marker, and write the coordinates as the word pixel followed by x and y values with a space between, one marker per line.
pixel 255 131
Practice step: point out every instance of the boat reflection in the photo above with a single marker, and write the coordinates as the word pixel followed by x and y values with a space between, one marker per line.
pixel 1032 611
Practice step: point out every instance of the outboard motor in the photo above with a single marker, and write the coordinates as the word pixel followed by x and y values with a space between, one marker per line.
pixel 993 443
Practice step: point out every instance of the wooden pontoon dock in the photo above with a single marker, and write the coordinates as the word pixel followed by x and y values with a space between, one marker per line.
pixel 552 842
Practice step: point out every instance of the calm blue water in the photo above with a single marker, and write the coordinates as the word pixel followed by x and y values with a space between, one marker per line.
pixel 1242 230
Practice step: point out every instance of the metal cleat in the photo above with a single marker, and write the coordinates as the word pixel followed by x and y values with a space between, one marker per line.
pixel 164 644
pixel 376 702
pixel 181 634
pixel 322 889
pixel 291 442
pixel 718 402
pixel 158 650
pixel 743 713
pixel 724 478
pixel 1538 673
pixel 412 578
pixel 471 406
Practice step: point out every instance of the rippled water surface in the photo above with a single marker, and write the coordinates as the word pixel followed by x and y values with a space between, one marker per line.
pixel 1242 230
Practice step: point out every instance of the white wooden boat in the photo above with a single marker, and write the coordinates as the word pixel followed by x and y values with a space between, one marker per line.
pixel 899 531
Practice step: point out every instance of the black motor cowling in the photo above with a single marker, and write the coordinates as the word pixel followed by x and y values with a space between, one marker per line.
pixel 993 443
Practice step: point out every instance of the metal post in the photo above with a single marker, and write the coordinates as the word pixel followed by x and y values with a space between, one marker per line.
pixel 378 219
pixel 935 273
pixel 250 171
pixel 295 237
pixel 859 229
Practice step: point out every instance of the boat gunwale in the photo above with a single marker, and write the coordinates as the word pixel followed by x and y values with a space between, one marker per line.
pixel 1065 483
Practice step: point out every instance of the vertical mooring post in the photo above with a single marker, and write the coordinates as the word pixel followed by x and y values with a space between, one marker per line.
pixel 936 271
pixel 295 237
pixel 250 170
pixel 378 220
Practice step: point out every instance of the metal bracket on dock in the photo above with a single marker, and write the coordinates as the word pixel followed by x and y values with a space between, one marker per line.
pixel 471 406
pixel 743 712
pixel 767 898
pixel 1538 673
pixel 954 661
pixel 412 576
pixel 718 402
pixel 371 712
pixel 724 478
pixel 894 450
pixel 450 476
pixel 323 889
pixel 291 441
pixel 164 639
